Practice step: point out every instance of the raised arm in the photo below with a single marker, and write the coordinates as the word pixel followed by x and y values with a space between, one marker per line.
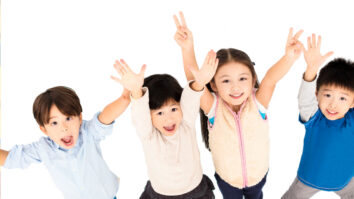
pixel 116 108
pixel 308 104
pixel 278 70
pixel 189 99
pixel 184 39
pixel 3 156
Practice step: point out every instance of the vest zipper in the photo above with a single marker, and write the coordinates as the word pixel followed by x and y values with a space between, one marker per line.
pixel 237 119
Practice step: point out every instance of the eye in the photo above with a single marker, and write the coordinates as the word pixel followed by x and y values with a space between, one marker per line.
pixel 68 118
pixel 327 95
pixel 225 81
pixel 159 113
pixel 343 99
pixel 243 79
pixel 53 123
pixel 174 109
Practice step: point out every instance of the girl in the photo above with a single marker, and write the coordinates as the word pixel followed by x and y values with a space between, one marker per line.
pixel 164 117
pixel 235 108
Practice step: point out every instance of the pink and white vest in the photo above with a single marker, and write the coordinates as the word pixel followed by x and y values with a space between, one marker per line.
pixel 239 143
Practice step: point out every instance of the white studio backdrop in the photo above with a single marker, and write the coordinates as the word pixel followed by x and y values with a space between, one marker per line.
pixel 47 43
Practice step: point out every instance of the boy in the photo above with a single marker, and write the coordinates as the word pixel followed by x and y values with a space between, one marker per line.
pixel 164 116
pixel 71 150
pixel 327 161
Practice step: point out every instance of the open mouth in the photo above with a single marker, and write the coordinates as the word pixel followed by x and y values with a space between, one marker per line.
pixel 331 113
pixel 68 140
pixel 170 129
pixel 236 96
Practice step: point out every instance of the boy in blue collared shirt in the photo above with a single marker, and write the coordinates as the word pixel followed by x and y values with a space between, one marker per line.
pixel 326 110
pixel 71 150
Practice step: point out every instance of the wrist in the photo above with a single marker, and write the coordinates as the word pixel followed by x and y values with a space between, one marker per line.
pixel 309 76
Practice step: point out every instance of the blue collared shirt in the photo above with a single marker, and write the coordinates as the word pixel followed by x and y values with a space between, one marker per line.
pixel 79 172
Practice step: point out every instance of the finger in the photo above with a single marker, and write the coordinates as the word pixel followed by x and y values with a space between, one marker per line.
pixel 182 34
pixel 183 20
pixel 290 35
pixel 319 42
pixel 308 43
pixel 313 40
pixel 210 57
pixel 116 79
pixel 178 25
pixel 298 34
pixel 216 64
pixel 125 67
pixel 118 68
pixel 142 70
pixel 213 57
pixel 328 55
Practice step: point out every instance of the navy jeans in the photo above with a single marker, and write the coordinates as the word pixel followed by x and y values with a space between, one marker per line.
pixel 230 192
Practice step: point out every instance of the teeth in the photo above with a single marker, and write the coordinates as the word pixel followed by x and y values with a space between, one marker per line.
pixel 237 95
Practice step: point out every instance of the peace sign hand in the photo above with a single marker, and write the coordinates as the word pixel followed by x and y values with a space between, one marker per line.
pixel 183 35
pixel 293 45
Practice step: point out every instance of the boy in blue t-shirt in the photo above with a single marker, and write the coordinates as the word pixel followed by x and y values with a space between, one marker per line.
pixel 326 110
pixel 71 149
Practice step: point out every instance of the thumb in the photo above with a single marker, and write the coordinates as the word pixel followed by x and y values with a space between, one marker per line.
pixel 142 70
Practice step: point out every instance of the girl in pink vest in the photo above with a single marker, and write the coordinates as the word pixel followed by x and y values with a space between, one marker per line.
pixel 235 127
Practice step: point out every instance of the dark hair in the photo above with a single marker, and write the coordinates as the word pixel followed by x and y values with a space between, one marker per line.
pixel 62 97
pixel 162 88
pixel 226 56
pixel 338 72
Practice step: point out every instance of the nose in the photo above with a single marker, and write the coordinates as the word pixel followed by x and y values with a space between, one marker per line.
pixel 64 127
pixel 333 103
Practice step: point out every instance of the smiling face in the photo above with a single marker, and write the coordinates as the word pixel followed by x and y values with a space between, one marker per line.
pixel 167 118
pixel 233 82
pixel 334 101
pixel 62 129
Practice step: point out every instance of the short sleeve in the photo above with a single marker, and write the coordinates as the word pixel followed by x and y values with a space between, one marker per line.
pixel 96 129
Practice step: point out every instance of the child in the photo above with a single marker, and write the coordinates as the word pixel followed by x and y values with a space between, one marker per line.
pixel 71 150
pixel 327 161
pixel 164 116
pixel 235 106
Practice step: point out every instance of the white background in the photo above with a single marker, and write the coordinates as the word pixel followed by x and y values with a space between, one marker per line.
pixel 74 43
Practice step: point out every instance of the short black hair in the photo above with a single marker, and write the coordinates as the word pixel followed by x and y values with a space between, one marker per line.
pixel 338 72
pixel 162 88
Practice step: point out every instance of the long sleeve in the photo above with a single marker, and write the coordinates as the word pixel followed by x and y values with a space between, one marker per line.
pixel 190 104
pixel 307 100
pixel 141 115
pixel 21 156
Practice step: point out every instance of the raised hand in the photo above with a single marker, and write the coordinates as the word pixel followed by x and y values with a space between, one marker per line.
pixel 129 80
pixel 183 35
pixel 313 57
pixel 206 73
pixel 293 45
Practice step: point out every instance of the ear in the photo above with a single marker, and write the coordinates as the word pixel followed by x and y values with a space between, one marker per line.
pixel 213 86
pixel 80 117
pixel 43 129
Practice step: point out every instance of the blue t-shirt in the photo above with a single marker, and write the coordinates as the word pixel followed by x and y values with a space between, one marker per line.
pixel 79 172
pixel 327 161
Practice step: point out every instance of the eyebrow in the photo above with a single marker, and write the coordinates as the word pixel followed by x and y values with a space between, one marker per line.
pixel 238 75
pixel 332 90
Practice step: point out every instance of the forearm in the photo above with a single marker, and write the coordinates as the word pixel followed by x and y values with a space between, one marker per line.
pixel 279 69
pixel 189 60
pixel 3 156
pixel 113 110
